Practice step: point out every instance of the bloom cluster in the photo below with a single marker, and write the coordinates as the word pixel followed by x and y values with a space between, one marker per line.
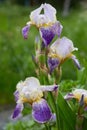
pixel 49 27
pixel 31 91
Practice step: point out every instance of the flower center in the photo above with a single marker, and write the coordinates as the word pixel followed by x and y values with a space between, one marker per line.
pixel 31 95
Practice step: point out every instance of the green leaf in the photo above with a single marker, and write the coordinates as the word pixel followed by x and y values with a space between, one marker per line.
pixel 84 127
pixel 85 114
pixel 66 114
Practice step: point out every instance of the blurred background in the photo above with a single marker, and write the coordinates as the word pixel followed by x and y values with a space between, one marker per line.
pixel 16 53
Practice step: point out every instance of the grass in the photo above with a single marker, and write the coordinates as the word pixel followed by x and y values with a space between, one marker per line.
pixel 15 52
pixel 75 28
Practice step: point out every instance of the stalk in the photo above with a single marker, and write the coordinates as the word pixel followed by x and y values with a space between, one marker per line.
pixel 47 126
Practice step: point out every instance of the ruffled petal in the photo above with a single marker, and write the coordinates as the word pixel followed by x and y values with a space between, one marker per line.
pixel 41 111
pixel 32 82
pixel 63 47
pixel 47 35
pixel 57 28
pixel 16 94
pixel 34 16
pixel 48 16
pixel 50 12
pixel 17 111
pixel 76 62
pixel 52 63
pixel 31 90
pixel 49 87
pixel 25 31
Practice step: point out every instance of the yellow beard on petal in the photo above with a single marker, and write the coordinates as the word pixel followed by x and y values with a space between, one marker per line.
pixel 60 58
pixel 32 98
pixel 78 97
pixel 40 25
pixel 45 25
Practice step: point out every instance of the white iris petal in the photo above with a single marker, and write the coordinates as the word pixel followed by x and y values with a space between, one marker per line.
pixel 50 12
pixel 48 16
pixel 29 90
pixel 80 92
pixel 34 14
pixel 63 47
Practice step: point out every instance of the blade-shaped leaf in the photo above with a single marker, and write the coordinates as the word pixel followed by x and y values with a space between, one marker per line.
pixel 66 113
pixel 84 127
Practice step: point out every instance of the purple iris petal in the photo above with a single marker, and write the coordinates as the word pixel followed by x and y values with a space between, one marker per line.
pixel 57 28
pixel 81 102
pixel 16 94
pixel 85 108
pixel 53 118
pixel 41 111
pixel 17 111
pixel 47 35
pixel 76 62
pixel 52 63
pixel 25 31
pixel 55 87
pixel 69 96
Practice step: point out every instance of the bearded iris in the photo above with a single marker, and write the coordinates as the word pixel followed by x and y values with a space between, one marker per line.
pixel 59 51
pixel 46 23
pixel 30 91
pixel 77 94
pixel 80 95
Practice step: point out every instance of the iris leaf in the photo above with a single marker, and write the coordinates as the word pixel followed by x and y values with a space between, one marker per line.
pixel 66 114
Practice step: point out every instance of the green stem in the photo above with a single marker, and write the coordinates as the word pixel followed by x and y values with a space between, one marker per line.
pixel 80 118
pixel 48 127
pixel 79 122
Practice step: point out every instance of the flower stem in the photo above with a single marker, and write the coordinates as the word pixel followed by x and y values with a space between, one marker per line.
pixel 48 127
pixel 79 122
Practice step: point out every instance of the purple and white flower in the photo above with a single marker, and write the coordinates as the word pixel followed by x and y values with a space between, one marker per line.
pixel 61 50
pixel 46 23
pixel 30 91
pixel 78 94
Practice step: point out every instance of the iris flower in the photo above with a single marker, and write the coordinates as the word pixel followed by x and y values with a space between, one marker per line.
pixel 61 50
pixel 80 95
pixel 46 22
pixel 30 91
pixel 77 94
